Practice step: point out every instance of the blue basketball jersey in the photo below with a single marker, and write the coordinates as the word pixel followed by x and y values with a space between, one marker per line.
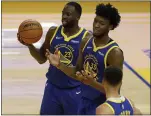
pixel 69 52
pixel 95 59
pixel 120 106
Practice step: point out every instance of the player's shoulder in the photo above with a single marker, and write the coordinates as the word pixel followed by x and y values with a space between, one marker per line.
pixel 51 32
pixel 135 109
pixel 130 101
pixel 52 28
pixel 87 36
pixel 117 48
pixel 116 51
pixel 105 108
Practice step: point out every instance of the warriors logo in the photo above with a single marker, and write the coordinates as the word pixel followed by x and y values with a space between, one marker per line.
pixel 66 53
pixel 90 65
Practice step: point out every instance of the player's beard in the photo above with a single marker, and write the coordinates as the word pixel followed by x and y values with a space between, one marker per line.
pixel 68 24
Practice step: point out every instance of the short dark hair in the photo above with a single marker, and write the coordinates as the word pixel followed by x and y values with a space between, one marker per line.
pixel 108 12
pixel 113 75
pixel 77 6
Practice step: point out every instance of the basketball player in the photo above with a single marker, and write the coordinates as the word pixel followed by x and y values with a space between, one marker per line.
pixel 98 53
pixel 62 94
pixel 115 103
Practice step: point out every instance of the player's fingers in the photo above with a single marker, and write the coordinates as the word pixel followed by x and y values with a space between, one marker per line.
pixel 89 76
pixel 96 78
pixel 20 40
pixel 80 77
pixel 92 74
pixel 18 36
pixel 46 54
pixel 78 73
pixel 84 73
pixel 56 51
pixel 47 51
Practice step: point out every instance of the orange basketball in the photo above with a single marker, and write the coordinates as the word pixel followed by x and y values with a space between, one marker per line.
pixel 30 31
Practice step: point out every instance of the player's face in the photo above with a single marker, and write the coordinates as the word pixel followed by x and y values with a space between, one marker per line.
pixel 100 26
pixel 68 16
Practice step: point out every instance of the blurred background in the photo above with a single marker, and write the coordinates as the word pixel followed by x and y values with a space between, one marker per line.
pixel 23 79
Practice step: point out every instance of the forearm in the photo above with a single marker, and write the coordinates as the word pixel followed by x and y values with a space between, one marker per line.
pixel 97 86
pixel 36 53
pixel 69 71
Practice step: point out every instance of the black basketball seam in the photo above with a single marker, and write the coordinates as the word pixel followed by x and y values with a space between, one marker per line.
pixel 31 29
pixel 30 21
pixel 30 38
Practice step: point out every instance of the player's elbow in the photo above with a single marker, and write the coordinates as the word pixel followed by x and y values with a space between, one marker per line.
pixel 41 61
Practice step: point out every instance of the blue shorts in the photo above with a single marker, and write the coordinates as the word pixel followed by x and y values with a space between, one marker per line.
pixel 57 101
pixel 88 107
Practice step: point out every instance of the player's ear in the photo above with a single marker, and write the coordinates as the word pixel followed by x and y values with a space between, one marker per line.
pixel 121 83
pixel 77 16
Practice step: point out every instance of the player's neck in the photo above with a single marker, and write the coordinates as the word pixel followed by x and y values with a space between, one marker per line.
pixel 101 40
pixel 112 93
pixel 69 31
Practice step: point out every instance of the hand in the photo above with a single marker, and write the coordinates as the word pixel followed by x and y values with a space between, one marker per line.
pixel 21 41
pixel 53 59
pixel 85 77
pixel 90 78
pixel 80 77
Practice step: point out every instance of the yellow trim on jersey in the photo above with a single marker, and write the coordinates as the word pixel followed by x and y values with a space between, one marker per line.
pixel 105 58
pixel 84 34
pixel 83 38
pixel 97 48
pixel 110 107
pixel 71 37
pixel 54 35
pixel 115 100
pixel 86 44
pixel 130 102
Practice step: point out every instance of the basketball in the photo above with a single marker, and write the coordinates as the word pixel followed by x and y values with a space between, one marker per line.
pixel 30 31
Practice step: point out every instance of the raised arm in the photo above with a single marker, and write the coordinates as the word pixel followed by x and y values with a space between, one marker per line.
pixel 39 54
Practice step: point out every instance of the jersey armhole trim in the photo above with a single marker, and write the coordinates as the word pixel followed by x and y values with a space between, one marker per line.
pixel 52 38
pixel 110 107
pixel 105 58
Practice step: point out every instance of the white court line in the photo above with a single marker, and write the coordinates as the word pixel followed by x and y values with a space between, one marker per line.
pixel 44 25
pixel 10 53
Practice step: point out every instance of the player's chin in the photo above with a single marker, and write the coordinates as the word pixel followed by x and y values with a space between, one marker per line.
pixel 65 24
pixel 96 34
